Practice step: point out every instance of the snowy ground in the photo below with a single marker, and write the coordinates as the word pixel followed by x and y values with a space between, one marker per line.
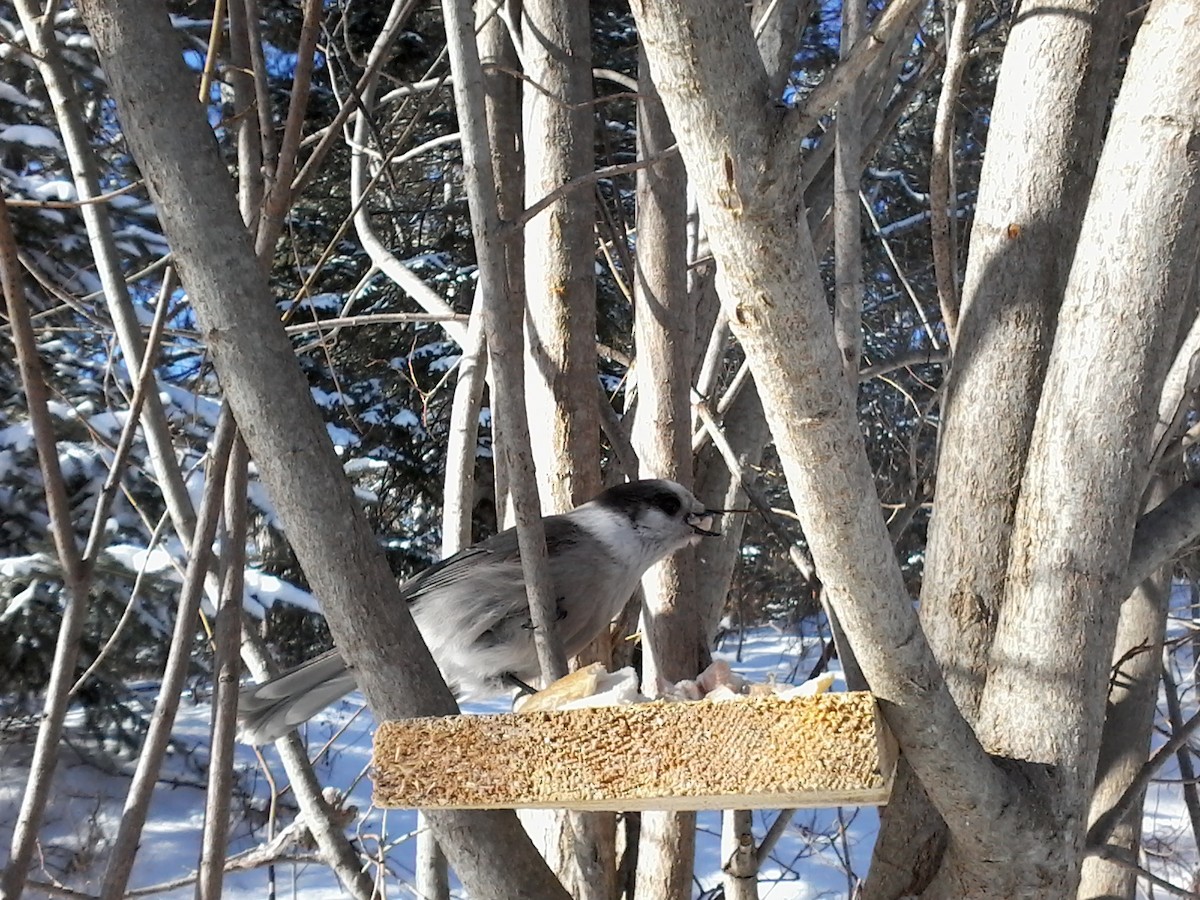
pixel 820 856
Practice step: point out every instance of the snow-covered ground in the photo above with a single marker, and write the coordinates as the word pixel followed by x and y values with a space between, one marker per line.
pixel 821 854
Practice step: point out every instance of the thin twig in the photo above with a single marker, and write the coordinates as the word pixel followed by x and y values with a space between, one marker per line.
pixel 908 288
pixel 774 833
pixel 1124 857
pixel 226 672
pixel 1191 797
pixel 145 377
pixel 590 178
pixel 75 204
pixel 279 197
pixel 66 651
pixel 838 82
pixel 127 613
pixel 137 802
pixel 376 319
pixel 903 361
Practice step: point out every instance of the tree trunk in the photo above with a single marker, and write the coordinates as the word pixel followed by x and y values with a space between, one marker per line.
pixel 664 323
pixel 1124 749
pixel 1016 271
pixel 560 325
pixel 169 137
pixel 560 341
pixel 1045 700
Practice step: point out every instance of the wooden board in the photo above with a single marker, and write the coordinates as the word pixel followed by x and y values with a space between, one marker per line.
pixel 751 753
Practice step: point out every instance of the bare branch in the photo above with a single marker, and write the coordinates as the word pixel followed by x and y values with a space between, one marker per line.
pixel 66 652
pixel 75 204
pixel 584 180
pixel 504 327
pixel 137 803
pixel 226 674
pixel 279 196
pixel 1183 756
pixel 941 165
pixel 1098 834
pixel 360 185
pixel 847 223
pixel 841 80
pixel 1162 534
pixel 144 383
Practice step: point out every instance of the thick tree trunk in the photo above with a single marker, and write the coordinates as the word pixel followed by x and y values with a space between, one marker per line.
pixel 1016 271
pixel 560 358
pixel 190 186
pixel 664 321
pixel 1045 132
pixel 560 325
pixel 741 157
pixel 1045 699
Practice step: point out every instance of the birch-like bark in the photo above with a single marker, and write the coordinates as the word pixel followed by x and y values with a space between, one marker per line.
pixel 1045 699
pixel 168 135
pixel 1016 272
pixel 560 287
pixel 664 324
pixel 708 73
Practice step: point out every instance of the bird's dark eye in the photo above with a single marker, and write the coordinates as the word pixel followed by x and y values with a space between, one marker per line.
pixel 667 502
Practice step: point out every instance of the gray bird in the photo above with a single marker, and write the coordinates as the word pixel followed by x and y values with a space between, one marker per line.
pixel 473 612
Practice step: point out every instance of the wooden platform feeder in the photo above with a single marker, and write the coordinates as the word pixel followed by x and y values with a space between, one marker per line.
pixel 751 753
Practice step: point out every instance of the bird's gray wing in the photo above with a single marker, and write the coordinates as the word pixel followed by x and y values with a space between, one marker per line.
pixel 499 550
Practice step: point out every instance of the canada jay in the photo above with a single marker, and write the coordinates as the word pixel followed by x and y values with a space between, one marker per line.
pixel 472 608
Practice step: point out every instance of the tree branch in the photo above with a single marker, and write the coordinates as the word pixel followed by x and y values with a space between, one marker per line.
pixel 1162 534
pixel 137 803
pixel 706 64
pixel 941 165
pixel 66 651
pixel 288 441
pixel 840 81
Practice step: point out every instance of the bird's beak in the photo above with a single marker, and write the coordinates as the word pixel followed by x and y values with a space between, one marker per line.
pixel 702 522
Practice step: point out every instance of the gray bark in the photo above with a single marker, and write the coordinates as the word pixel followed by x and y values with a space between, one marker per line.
pixel 664 324
pixel 227 666
pixel 1045 699
pixel 1125 746
pixel 502 105
pixel 847 245
pixel 709 75
pixel 166 131
pixel 66 651
pixel 943 197
pixel 560 339
pixel 560 290
pixel 746 427
pixel 1016 271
